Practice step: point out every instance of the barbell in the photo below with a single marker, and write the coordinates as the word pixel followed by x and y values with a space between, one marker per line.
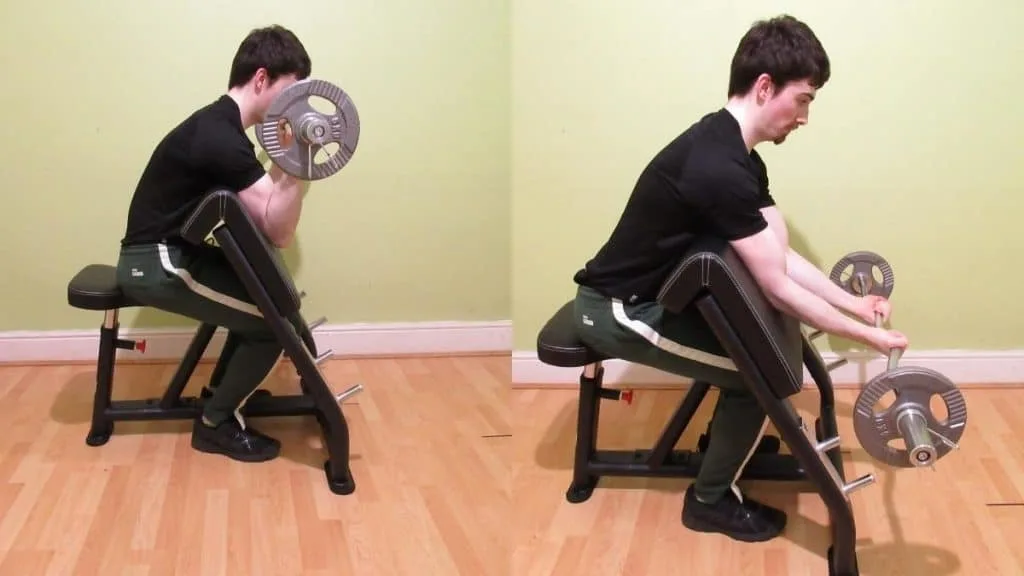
pixel 910 417
pixel 312 130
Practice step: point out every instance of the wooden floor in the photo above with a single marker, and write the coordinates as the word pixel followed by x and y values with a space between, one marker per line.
pixel 430 454
pixel 964 517
pixel 456 475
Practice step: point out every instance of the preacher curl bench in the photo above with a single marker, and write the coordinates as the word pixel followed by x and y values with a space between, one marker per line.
pixel 769 350
pixel 222 218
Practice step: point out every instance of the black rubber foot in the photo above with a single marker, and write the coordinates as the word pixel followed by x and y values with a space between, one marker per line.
pixel 580 492
pixel 340 487
pixel 99 436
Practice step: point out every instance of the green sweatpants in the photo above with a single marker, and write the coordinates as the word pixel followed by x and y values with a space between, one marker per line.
pixel 681 344
pixel 199 283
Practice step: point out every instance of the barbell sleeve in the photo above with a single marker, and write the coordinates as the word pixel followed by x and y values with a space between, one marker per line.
pixel 860 283
pixel 894 353
pixel 913 427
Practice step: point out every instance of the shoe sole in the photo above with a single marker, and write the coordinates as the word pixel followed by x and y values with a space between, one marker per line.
pixel 203 446
pixel 709 528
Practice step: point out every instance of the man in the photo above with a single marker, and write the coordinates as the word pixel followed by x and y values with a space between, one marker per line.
pixel 710 181
pixel 211 150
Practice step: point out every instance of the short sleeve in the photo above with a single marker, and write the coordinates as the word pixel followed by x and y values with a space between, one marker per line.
pixel 227 156
pixel 762 180
pixel 730 200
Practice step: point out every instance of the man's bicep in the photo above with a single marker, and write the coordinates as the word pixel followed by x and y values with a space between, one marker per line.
pixel 778 225
pixel 764 190
pixel 764 257
pixel 255 199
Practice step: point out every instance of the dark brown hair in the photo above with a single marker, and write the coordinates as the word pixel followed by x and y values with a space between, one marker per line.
pixel 782 47
pixel 273 47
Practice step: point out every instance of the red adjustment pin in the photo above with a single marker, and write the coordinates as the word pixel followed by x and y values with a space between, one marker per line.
pixel 123 344
pixel 627 397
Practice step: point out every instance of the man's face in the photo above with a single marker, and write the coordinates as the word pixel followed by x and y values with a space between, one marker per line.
pixel 787 109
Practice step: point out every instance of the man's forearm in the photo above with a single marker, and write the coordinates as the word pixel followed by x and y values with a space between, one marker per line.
pixel 806 306
pixel 814 280
pixel 284 207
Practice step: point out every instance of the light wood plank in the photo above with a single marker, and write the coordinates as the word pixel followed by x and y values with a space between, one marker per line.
pixel 457 474
pixel 911 523
pixel 432 493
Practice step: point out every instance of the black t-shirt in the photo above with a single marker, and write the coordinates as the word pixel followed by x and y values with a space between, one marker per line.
pixel 209 150
pixel 703 183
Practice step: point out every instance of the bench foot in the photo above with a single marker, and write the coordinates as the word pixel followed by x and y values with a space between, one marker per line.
pixel 581 491
pixel 98 436
pixel 833 571
pixel 340 482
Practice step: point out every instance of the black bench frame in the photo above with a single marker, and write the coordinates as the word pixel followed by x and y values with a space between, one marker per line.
pixel 665 461
pixel 95 288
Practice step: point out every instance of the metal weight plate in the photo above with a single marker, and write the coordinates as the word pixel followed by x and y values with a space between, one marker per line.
pixel 862 281
pixel 311 130
pixel 914 387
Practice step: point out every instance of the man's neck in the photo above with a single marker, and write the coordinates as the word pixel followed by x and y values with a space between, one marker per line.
pixel 743 112
pixel 243 99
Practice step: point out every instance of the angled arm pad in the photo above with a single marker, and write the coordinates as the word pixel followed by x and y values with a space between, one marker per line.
pixel 773 339
pixel 222 212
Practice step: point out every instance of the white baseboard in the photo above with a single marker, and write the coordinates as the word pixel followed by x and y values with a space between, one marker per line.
pixel 962 367
pixel 346 340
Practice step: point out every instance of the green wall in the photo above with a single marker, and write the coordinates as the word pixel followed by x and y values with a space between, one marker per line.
pixel 500 141
pixel 90 88
pixel 912 148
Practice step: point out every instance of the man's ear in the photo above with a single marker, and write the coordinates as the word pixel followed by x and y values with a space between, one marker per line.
pixel 261 80
pixel 765 88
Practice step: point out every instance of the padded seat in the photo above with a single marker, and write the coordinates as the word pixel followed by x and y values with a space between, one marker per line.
pixel 95 288
pixel 559 345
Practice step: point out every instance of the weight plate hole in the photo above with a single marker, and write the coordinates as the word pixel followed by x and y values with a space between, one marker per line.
pixel 885 401
pixel 322 105
pixel 285 135
pixel 326 152
pixel 937 405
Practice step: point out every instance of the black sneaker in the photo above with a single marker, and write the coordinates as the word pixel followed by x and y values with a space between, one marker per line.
pixel 229 439
pixel 748 521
